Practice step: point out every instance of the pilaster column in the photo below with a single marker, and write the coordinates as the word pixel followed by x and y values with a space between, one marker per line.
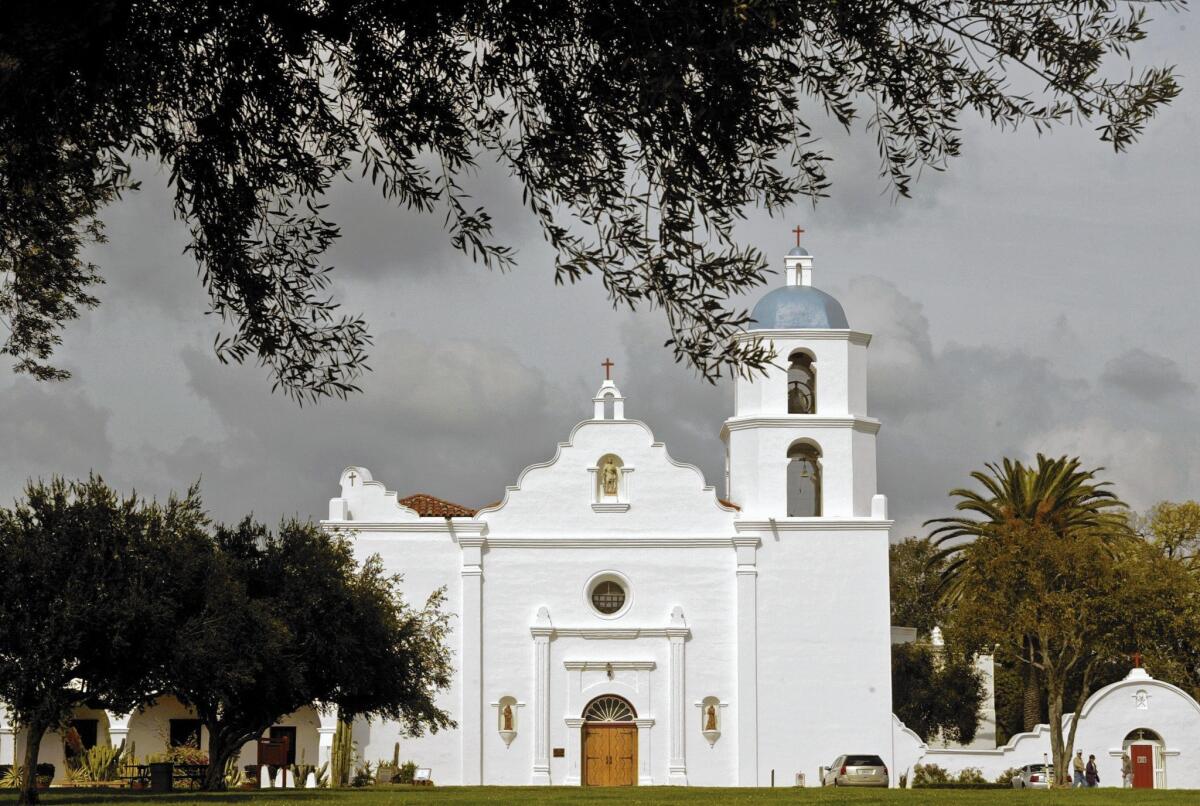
pixel 677 764
pixel 471 663
pixel 542 632
pixel 746 706
pixel 118 728
pixel 575 740
pixel 326 728
pixel 645 768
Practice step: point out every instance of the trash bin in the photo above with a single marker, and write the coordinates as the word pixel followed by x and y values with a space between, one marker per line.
pixel 160 776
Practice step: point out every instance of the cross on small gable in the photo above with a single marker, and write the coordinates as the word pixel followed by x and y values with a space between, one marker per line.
pixel 608 365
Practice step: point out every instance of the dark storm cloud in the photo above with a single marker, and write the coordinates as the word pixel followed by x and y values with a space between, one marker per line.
pixel 456 419
pixel 1146 375
pixel 46 431
pixel 948 411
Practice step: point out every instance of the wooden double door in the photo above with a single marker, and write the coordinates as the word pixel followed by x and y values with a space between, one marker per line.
pixel 609 754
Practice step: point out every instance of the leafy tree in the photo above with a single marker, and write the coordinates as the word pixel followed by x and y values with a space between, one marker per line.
pixel 290 619
pixel 639 134
pixel 1070 595
pixel 92 589
pixel 1161 621
pixel 932 692
pixel 936 695
pixel 1055 495
pixel 916 578
pixel 1174 529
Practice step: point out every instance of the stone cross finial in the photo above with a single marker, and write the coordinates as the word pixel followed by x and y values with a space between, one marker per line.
pixel 1137 660
pixel 799 231
pixel 608 365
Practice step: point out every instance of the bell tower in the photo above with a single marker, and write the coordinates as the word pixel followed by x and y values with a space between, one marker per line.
pixel 800 443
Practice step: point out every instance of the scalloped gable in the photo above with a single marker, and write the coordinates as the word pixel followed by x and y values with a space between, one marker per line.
pixel 364 499
pixel 556 497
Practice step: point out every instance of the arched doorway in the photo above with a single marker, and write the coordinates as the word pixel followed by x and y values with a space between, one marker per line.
pixel 609 742
pixel 1145 749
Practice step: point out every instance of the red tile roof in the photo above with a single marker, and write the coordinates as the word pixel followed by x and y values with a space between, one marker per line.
pixel 428 506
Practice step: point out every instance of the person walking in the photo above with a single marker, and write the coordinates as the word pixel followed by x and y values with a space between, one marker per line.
pixel 1078 766
pixel 1092 772
pixel 1126 770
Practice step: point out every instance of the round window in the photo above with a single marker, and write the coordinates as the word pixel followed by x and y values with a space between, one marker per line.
pixel 608 597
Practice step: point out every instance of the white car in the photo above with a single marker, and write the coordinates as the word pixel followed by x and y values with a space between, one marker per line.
pixel 861 770
pixel 1034 776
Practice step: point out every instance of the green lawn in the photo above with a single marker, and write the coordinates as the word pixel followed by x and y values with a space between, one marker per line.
pixel 649 795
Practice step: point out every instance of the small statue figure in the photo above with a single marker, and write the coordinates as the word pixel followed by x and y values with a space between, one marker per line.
pixel 506 717
pixel 609 476
pixel 710 718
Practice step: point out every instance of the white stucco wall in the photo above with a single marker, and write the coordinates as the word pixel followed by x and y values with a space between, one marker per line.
pixel 824 647
pixel 1106 719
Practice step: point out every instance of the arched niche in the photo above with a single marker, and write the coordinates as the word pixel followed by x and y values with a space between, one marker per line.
pixel 802 383
pixel 804 480
pixel 507 718
pixel 610 479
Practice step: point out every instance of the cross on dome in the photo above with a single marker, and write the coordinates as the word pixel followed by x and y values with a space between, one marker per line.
pixel 799 231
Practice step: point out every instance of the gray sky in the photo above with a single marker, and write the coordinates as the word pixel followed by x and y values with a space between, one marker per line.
pixel 1039 296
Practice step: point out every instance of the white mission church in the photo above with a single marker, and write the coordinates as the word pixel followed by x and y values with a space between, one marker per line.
pixel 621 621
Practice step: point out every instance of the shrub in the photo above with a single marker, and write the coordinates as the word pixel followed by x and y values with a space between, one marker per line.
pixel 407 769
pixel 971 775
pixel 926 774
pixel 1007 776
pixel 99 763
pixel 363 775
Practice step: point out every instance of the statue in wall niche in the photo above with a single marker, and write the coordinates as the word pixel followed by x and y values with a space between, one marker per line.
pixel 710 717
pixel 609 476
pixel 506 717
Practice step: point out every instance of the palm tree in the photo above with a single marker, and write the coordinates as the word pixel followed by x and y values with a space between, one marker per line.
pixel 1055 494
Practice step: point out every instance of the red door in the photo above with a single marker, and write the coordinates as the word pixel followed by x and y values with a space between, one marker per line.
pixel 1143 766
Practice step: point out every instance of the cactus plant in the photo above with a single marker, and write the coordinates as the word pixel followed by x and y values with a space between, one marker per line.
pixel 341 755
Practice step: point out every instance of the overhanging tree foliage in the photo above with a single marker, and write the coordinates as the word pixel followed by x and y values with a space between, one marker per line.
pixel 92 590
pixel 291 619
pixel 638 132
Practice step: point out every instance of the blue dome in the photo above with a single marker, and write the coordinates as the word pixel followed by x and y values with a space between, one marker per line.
pixel 797 307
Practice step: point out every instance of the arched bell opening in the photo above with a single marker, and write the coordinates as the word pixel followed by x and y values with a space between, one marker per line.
pixel 804 480
pixel 802 383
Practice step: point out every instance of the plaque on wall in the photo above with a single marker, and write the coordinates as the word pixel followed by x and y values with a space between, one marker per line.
pixel 560 752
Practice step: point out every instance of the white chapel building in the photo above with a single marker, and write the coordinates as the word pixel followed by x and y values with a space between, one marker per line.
pixel 619 620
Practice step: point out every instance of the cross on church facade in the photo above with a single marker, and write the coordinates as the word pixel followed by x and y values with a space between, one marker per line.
pixel 608 365
pixel 799 231
pixel 352 477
